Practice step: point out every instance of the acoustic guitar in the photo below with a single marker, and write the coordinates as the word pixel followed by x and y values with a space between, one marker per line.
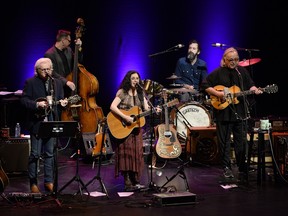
pixel 121 129
pixel 4 180
pixel 168 145
pixel 233 92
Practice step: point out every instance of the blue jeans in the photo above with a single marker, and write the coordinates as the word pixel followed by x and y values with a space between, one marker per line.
pixel 41 148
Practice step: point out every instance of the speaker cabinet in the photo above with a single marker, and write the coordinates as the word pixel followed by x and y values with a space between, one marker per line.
pixel 14 154
pixel 202 145
pixel 280 142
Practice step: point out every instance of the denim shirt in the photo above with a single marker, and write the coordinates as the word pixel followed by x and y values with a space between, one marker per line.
pixel 191 74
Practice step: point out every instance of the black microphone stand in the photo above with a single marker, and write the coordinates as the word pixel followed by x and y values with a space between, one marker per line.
pixel 152 185
pixel 172 49
pixel 53 116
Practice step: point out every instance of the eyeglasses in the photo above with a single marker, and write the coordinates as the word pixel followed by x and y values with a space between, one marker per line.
pixel 68 40
pixel 45 69
pixel 231 59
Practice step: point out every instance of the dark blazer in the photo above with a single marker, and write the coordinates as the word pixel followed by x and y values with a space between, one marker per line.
pixel 58 66
pixel 34 89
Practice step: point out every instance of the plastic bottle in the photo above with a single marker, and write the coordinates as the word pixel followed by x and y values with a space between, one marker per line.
pixel 17 130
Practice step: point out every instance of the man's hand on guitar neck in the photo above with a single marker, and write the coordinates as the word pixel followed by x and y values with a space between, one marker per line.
pixel 256 90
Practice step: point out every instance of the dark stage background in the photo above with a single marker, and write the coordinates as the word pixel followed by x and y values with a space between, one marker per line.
pixel 120 35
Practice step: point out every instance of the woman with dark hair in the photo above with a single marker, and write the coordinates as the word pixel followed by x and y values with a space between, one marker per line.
pixel 129 159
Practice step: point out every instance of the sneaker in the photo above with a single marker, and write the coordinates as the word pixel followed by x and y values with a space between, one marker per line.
pixel 228 173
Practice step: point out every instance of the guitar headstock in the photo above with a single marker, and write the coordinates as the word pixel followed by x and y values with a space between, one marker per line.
pixel 270 88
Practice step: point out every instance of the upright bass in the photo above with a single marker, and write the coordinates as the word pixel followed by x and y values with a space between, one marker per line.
pixel 87 112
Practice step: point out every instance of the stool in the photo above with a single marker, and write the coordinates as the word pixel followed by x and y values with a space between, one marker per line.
pixel 261 153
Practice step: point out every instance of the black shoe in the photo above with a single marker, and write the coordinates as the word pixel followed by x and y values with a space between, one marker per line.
pixel 228 173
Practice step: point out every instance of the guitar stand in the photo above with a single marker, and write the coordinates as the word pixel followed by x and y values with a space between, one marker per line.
pixel 98 177
pixel 77 177
pixel 181 173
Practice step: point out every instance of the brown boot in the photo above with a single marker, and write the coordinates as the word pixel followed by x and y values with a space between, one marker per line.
pixel 35 189
pixel 49 187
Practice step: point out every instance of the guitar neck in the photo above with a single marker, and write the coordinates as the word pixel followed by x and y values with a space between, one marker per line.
pixel 247 92
pixel 152 111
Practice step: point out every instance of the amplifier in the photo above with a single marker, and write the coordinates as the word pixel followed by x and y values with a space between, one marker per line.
pixel 14 153
pixel 280 144
pixel 278 124
pixel 202 144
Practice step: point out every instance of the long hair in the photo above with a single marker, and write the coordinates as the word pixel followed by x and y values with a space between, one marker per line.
pixel 228 50
pixel 126 84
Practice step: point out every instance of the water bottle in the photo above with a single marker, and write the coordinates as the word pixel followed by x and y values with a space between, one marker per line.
pixel 17 130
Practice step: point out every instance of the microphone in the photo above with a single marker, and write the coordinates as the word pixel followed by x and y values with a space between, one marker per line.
pixel 50 100
pixel 178 46
pixel 219 45
pixel 49 76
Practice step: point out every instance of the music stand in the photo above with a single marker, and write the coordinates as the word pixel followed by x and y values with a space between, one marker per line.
pixel 77 176
pixel 57 129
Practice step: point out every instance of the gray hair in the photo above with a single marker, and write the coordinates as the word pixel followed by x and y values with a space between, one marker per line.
pixel 40 61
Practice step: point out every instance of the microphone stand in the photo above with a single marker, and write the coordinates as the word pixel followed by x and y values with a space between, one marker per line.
pixel 152 185
pixel 172 49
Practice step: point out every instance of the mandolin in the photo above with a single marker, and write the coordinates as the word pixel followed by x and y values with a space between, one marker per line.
pixel 43 112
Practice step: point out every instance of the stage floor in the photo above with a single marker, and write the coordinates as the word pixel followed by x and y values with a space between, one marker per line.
pixel 201 188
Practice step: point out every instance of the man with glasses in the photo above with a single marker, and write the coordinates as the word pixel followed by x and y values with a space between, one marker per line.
pixel 62 57
pixel 37 93
pixel 230 115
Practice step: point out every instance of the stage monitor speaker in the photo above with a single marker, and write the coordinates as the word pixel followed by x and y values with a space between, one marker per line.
pixel 203 146
pixel 14 154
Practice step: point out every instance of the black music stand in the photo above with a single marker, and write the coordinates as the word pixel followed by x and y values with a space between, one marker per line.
pixel 76 178
pixel 57 129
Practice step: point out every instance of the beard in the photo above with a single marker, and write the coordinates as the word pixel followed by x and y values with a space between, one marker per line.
pixel 191 56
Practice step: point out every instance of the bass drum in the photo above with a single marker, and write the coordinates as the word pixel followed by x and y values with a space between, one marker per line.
pixel 190 115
